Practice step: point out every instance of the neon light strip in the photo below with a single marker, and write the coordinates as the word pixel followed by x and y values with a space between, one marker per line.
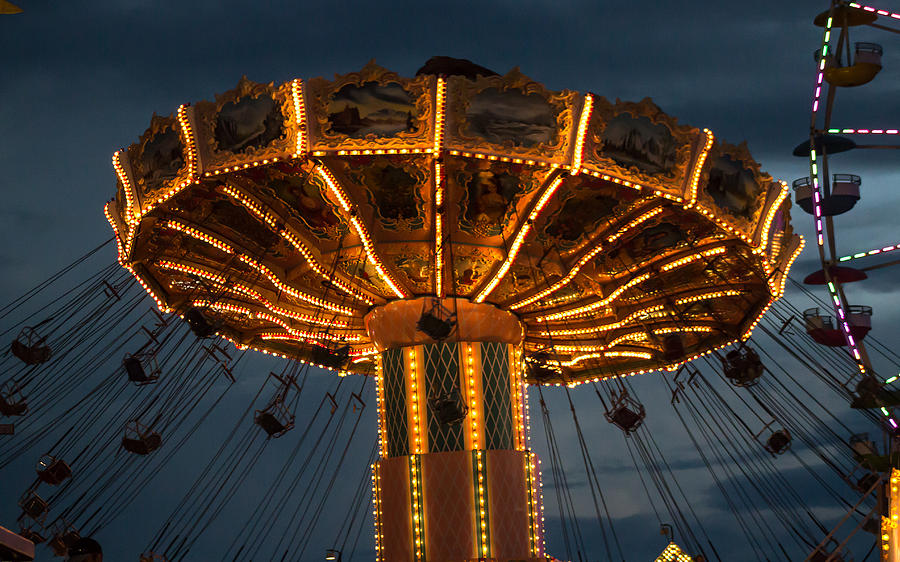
pixel 414 392
pixel 595 305
pixel 518 389
pixel 307 254
pixel 578 152
pixel 817 200
pixel 376 511
pixel 199 235
pixel 865 131
pixel 520 239
pixel 382 414
pixel 473 405
pixel 845 326
pixel 239 167
pixel 360 229
pixel 126 187
pixel 439 188
pixel 188 133
pixel 635 222
pixel 310 336
pixel 583 260
pixel 631 354
pixel 514 160
pixel 278 283
pixel 604 327
pixel 562 282
pixel 631 184
pixel 770 216
pixel 875 10
pixel 292 333
pixel 636 336
pixel 159 302
pixel 692 258
pixel 698 169
pixel 417 520
pixel 482 508
pixel 784 276
pixel 120 251
pixel 440 93
pixel 530 497
pixel 821 74
pixel 236 287
pixel 641 278
pixel 299 116
pixel 870 253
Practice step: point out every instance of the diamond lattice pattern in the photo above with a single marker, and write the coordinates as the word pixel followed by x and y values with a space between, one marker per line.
pixel 442 378
pixel 497 405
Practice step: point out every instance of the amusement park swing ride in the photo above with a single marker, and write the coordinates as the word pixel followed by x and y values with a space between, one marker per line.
pixel 456 238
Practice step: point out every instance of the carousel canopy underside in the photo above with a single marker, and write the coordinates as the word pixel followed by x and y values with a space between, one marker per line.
pixel 622 241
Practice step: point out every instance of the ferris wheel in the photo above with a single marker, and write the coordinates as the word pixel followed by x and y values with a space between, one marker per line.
pixel 844 62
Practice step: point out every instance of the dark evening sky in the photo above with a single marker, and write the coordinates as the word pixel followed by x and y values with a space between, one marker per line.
pixel 80 80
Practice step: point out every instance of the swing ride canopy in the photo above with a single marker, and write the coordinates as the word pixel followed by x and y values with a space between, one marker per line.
pixel 322 213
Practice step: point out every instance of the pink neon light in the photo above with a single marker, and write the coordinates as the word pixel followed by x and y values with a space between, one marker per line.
pixel 866 131
pixel 893 423
pixel 875 10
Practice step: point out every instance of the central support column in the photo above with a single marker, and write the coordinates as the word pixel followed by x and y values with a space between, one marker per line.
pixel 464 490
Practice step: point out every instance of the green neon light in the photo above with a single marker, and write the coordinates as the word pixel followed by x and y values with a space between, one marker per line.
pixel 892 379
pixel 884 410
pixel 846 258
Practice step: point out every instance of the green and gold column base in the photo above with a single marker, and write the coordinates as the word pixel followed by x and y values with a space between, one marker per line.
pixel 458 506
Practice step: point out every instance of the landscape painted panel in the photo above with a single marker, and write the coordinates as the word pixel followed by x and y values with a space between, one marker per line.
pixel 160 160
pixel 248 123
pixel 732 186
pixel 511 117
pixel 638 142
pixel 381 110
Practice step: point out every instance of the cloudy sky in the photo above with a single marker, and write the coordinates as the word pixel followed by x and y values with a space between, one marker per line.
pixel 80 80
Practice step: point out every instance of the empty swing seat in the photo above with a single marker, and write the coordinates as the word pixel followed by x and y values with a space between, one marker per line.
pixel 673 347
pixel 448 408
pixel 30 347
pixel 85 549
pixel 52 470
pixel 198 323
pixel 12 405
pixel 742 366
pixel 331 358
pixel 142 444
pixel 625 413
pixel 270 423
pixel 541 369
pixel 779 442
pixel 34 506
pixel 134 367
